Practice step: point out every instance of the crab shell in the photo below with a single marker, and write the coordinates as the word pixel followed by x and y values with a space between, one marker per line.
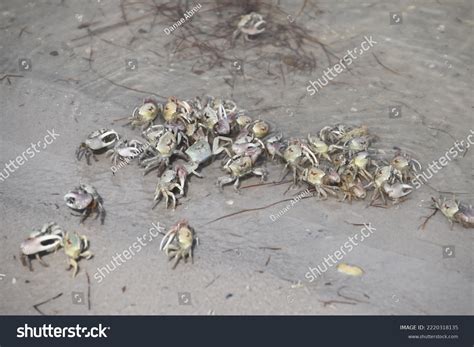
pixel 243 120
pixel 317 145
pixel 168 176
pixel 167 143
pixel 465 216
pixel 400 163
pixel 240 167
pixel 260 129
pixel 382 175
pixel 358 191
pixel 185 237
pixel 74 244
pixel 292 152
pixel 200 151
pixel 148 111
pixel 358 144
pixel 170 109
pixel 448 207
pixel 314 176
pixel 361 160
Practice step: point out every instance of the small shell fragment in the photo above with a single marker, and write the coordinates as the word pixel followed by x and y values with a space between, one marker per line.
pixel 351 270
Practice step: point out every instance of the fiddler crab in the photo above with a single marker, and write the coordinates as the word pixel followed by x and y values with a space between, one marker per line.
pixel 199 153
pixel 353 191
pixel 273 145
pixel 250 25
pixel 145 115
pixel 239 167
pixel 184 241
pixel 404 167
pixel 359 165
pixel 165 186
pixel 46 240
pixel 98 141
pixel 75 247
pixel 125 150
pixel 320 148
pixel 341 133
pixel 244 144
pixel 295 155
pixel 159 155
pixel 356 145
pixel 176 110
pixel 318 179
pixel 382 178
pixel 86 199
pixel 454 211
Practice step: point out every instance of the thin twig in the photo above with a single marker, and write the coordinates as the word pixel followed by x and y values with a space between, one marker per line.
pixel 36 307
pixel 423 225
pixel 330 302
pixel 88 291
pixel 385 67
pixel 348 297
pixel 252 210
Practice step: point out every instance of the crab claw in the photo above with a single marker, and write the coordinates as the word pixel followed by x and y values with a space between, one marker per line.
pixel 102 139
pixel 182 174
pixel 397 190
pixel 78 199
pixel 40 244
pixel 129 152
pixel 256 29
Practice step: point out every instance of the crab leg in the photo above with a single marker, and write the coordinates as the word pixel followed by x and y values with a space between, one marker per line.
pixel 169 239
pixel 41 261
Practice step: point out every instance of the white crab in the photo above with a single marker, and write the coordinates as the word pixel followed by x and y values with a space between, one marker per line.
pixel 97 141
pixel 250 25
pixel 125 151
pixel 46 240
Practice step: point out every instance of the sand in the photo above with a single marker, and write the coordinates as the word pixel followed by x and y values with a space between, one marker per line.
pixel 246 264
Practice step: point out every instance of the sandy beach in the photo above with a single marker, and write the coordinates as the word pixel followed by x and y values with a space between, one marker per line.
pixel 72 67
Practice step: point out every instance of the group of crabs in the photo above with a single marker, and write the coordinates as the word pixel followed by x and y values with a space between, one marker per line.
pixel 177 243
pixel 51 237
pixel 337 161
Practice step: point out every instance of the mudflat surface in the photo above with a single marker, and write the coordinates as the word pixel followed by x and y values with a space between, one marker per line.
pixel 78 81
